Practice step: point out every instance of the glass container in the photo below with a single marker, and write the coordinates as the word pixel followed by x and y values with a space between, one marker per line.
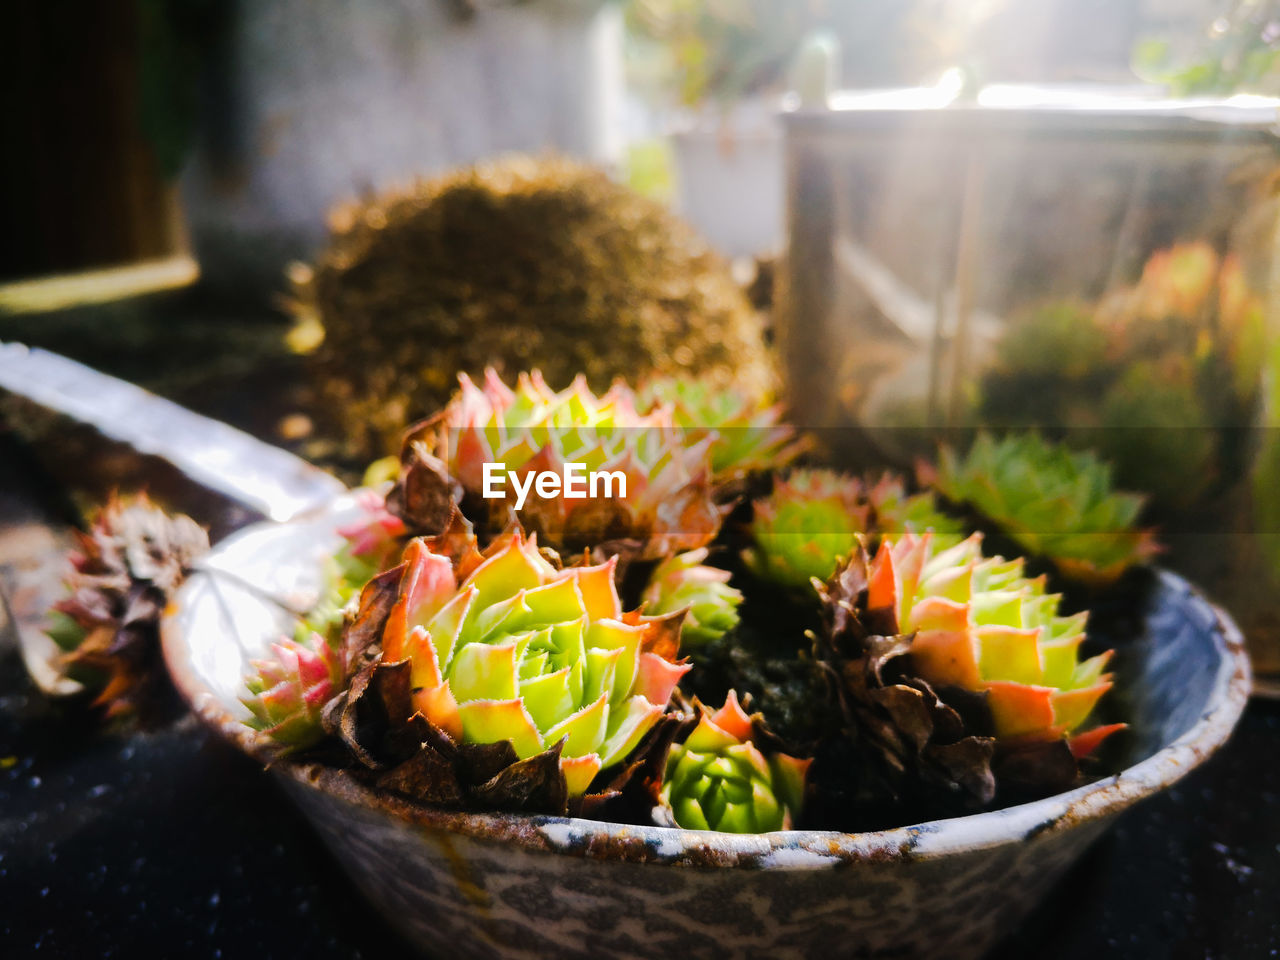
pixel 1096 264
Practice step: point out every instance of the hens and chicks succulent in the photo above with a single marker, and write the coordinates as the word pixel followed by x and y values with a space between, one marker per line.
pixel 552 658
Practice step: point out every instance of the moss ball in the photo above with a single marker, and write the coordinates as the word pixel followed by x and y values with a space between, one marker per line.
pixel 517 263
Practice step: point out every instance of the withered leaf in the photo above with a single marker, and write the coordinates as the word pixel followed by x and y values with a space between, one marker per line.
pixel 534 785
pixel 427 776
pixel 598 521
pixel 457 541
pixel 423 497
pixel 378 702
pixel 631 795
pixel 361 637
pixel 967 763
pixel 908 711
pixel 1037 767
pixel 481 762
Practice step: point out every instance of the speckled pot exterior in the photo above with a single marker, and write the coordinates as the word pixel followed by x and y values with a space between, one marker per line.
pixel 476 885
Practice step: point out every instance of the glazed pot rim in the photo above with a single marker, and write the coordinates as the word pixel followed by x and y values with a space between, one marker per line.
pixel 795 849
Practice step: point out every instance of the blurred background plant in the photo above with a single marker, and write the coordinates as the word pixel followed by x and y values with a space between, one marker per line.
pixel 1238 52
pixel 696 52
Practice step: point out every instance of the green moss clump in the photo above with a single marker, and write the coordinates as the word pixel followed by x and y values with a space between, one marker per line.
pixel 518 263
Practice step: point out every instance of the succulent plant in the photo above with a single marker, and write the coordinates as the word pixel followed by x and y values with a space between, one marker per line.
pixel 811 519
pixel 505 648
pixel 718 779
pixel 127 566
pixel 979 625
pixel 1052 501
pixel 514 263
pixel 288 691
pixel 1176 282
pixel 894 511
pixel 372 544
pixel 1160 437
pixel 668 503
pixel 1059 340
pixel 684 582
pixel 814 517
pixel 747 429
pixel 956 678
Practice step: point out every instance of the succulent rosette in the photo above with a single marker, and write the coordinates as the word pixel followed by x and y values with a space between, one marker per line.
pixel 814 517
pixel 506 648
pixel 719 779
pixel 810 520
pixel 979 625
pixel 894 511
pixel 1052 501
pixel 290 689
pixel 684 582
pixel 125 569
pixel 748 435
pixel 668 504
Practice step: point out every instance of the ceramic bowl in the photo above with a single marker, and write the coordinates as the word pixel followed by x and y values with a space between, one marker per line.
pixel 476 885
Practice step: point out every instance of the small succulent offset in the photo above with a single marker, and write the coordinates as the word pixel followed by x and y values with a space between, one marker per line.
pixel 505 648
pixel 719 779
pixel 289 691
pixel 814 517
pixel 810 520
pixel 1052 501
pixel 684 582
pixel 126 567
pixel 668 504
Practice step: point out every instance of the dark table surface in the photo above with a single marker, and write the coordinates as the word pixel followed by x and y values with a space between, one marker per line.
pixel 165 842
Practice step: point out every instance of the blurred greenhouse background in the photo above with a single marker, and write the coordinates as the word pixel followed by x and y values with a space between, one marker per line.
pixel 265 114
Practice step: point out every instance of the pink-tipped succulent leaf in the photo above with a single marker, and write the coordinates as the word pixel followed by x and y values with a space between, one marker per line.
pixel 289 690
